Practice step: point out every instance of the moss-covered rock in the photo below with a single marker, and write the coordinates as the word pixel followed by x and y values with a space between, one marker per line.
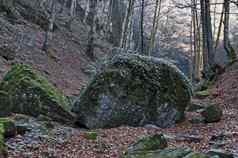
pixel 3 151
pixel 165 153
pixel 134 90
pixel 202 94
pixel 153 142
pixel 25 91
pixel 91 135
pixel 212 113
pixel 220 153
pixel 7 129
pixel 196 155
pixel 5 104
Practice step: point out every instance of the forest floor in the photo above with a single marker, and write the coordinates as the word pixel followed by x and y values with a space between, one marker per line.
pixel 111 143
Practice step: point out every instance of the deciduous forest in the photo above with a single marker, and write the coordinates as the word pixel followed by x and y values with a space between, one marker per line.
pixel 118 79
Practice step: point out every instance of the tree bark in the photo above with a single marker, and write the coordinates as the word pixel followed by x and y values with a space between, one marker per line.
pixel 227 44
pixel 208 50
pixel 49 32
pixel 126 23
pixel 91 21
pixel 142 26
pixel 155 26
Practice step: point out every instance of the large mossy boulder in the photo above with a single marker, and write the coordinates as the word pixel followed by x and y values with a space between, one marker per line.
pixel 25 91
pixel 134 90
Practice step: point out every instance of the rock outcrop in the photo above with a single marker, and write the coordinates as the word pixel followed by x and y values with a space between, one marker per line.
pixel 24 91
pixel 134 90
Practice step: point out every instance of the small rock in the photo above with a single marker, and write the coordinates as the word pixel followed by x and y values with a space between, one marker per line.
pixel 150 126
pixel 190 138
pixel 212 113
pixel 154 142
pixel 91 135
pixel 194 106
pixel 196 155
pixel 220 153
pixel 197 120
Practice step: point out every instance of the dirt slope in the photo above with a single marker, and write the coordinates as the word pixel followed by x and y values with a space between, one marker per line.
pixel 22 33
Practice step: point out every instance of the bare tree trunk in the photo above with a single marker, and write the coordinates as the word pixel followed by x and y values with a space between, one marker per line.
pixel 72 13
pixel 208 50
pixel 49 32
pixel 196 44
pixel 227 44
pixel 63 6
pixel 219 29
pixel 142 26
pixel 126 23
pixel 117 17
pixel 192 51
pixel 91 21
pixel 155 26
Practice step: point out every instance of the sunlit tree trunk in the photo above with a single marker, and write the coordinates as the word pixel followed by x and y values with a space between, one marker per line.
pixel 227 44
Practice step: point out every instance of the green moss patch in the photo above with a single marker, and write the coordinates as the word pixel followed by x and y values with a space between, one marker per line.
pixel 133 90
pixel 202 94
pixel 30 93
pixel 7 128
pixel 154 142
pixel 91 135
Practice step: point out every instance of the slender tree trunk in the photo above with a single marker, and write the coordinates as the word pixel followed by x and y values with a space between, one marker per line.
pixel 196 45
pixel 208 50
pixel 155 26
pixel 63 6
pixel 49 32
pixel 227 44
pixel 91 21
pixel 219 29
pixel 142 26
pixel 126 24
pixel 192 51
pixel 72 11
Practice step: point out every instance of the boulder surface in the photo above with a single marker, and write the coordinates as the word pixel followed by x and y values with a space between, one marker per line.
pixel 134 90
pixel 24 91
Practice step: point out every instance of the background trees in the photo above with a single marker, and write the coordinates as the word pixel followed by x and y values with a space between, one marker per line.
pixel 181 31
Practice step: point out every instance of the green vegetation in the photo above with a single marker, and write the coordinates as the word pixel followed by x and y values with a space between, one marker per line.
pixel 27 92
pixel 91 135
pixel 202 94
pixel 7 128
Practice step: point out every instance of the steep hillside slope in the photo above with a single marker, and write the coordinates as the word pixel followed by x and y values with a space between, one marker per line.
pixel 23 26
